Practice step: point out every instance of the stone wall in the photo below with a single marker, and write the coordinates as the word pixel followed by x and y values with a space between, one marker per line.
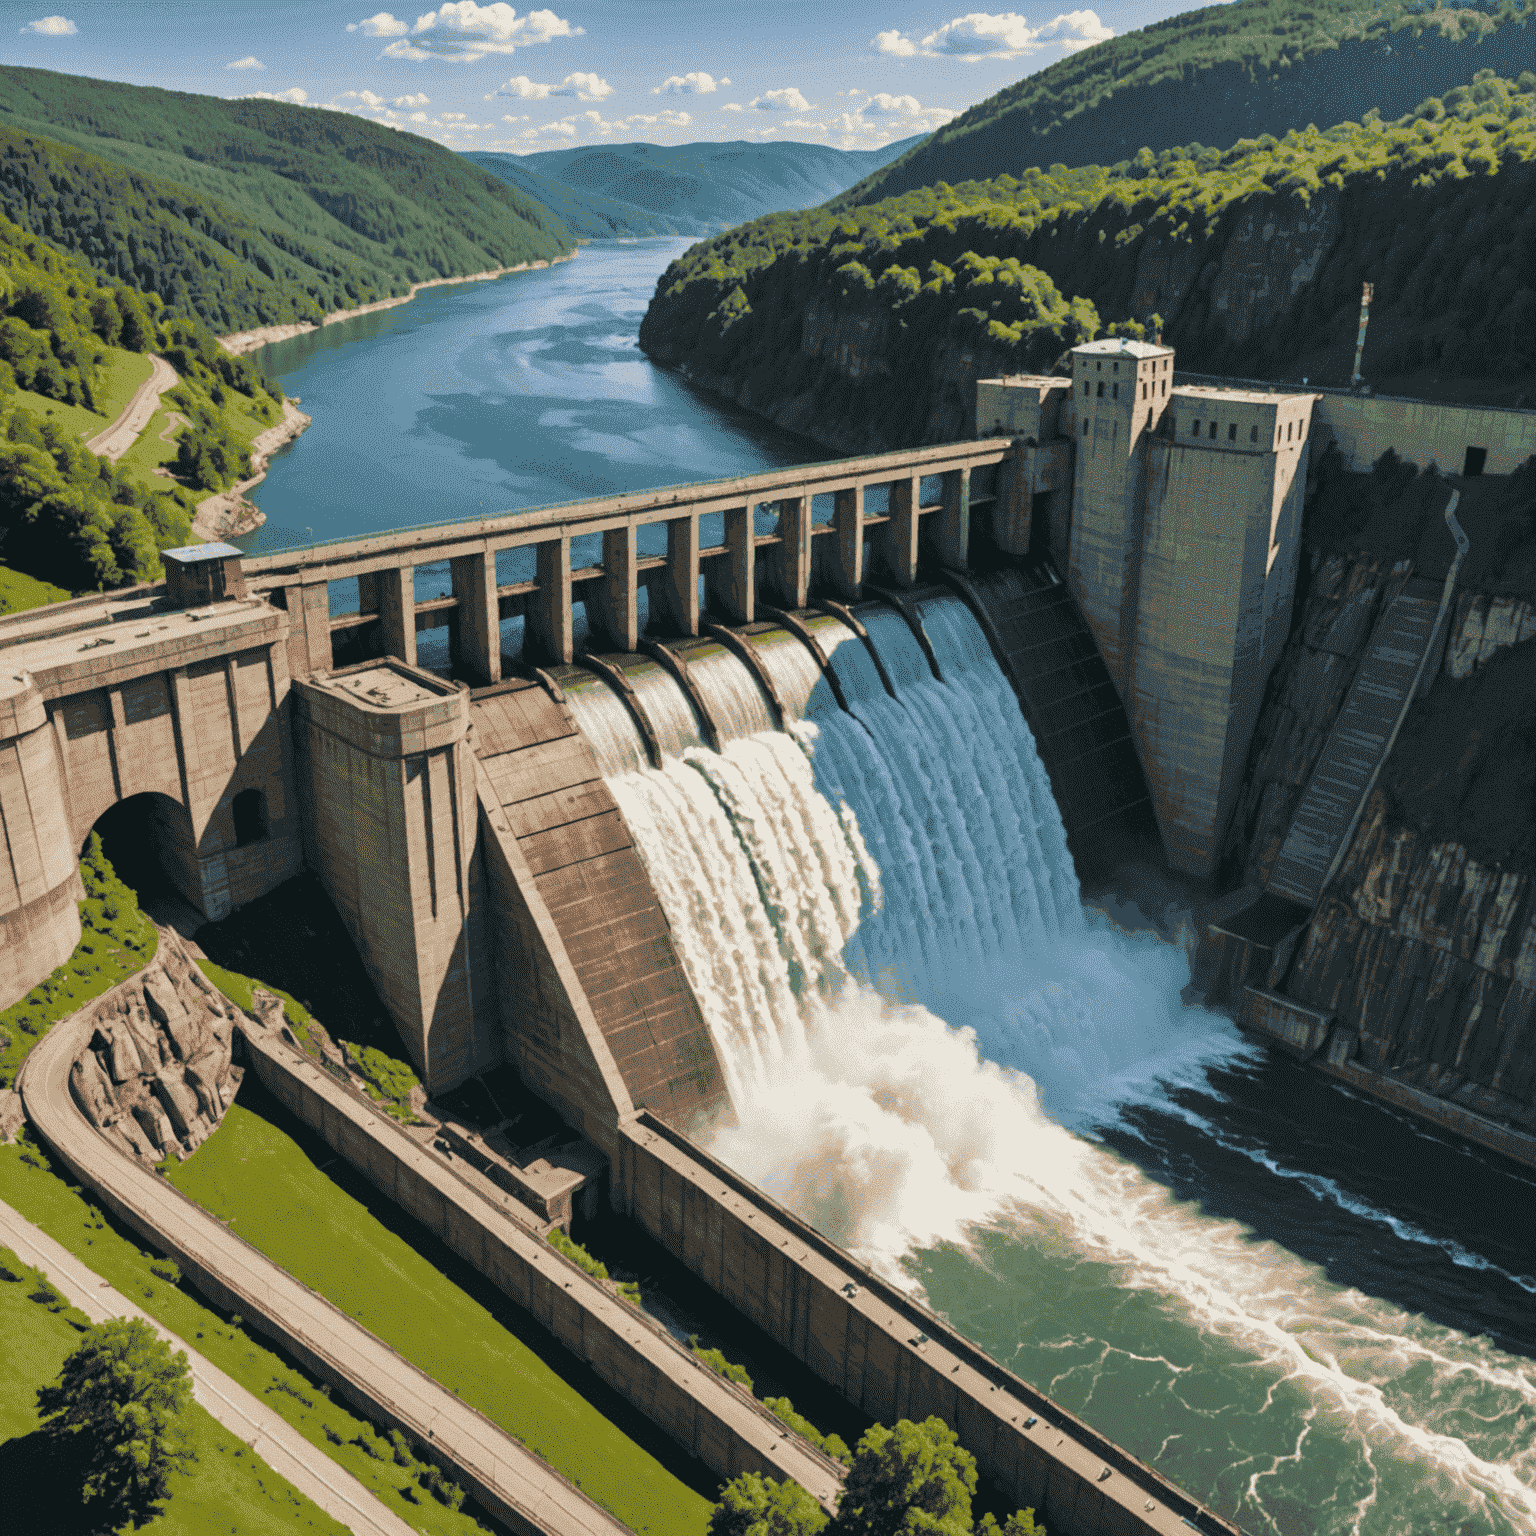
pixel 872 1344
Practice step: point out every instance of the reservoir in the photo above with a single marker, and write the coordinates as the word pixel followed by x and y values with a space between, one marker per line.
pixel 1313 1314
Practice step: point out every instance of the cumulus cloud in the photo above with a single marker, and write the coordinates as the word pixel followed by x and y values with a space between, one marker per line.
pixel 694 83
pixel 298 97
pixel 523 88
pixel 1006 35
pixel 788 99
pixel 595 125
pixel 882 117
pixel 52 26
pixel 464 31
pixel 250 61
pixel 882 105
pixel 380 24
pixel 733 106
pixel 585 87
pixel 412 101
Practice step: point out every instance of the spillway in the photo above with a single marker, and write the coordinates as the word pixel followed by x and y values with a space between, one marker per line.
pixel 942 1059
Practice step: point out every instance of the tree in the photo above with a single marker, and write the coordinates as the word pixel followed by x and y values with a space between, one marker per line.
pixel 908 1479
pixel 1020 1523
pixel 116 1411
pixel 753 1505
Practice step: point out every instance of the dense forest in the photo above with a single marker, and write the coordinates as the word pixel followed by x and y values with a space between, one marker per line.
pixel 249 213
pixel 828 317
pixel 64 512
pixel 1226 73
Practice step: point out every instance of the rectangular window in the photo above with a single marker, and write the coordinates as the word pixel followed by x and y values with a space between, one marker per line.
pixel 1085 387
pixel 1101 389
pixel 1165 386
pixel 1114 391
pixel 1194 427
pixel 1232 432
pixel 1253 434
pixel 1213 429
pixel 1143 391
pixel 1288 426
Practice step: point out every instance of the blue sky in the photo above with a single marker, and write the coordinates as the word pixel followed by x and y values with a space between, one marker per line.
pixel 854 75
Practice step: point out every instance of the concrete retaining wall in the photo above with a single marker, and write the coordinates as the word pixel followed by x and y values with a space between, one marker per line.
pixel 709 1418
pixel 881 1350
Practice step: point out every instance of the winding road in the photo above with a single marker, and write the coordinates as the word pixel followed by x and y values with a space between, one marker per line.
pixel 123 433
pixel 513 1483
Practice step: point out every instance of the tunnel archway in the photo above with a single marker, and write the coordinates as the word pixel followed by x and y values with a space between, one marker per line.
pixel 148 839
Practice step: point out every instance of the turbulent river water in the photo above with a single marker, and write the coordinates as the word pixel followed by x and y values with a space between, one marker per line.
pixel 1309 1311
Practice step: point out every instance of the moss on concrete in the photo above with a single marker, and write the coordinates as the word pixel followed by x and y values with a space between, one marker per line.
pixel 116 940
pixel 229 1486
pixel 255 1172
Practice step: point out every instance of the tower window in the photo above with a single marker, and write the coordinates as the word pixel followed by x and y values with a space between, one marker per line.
pixel 1143 391
pixel 1232 432
pixel 1114 391
pixel 1213 429
pixel 1117 367
pixel 1194 427
pixel 1165 386
pixel 1085 387
pixel 1253 434
pixel 1085 426
pixel 250 814
pixel 1149 418
pixel 1288 431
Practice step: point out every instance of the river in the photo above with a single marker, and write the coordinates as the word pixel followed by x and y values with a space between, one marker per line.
pixel 1308 1310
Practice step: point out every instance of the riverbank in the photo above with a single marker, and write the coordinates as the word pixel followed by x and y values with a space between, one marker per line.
pixel 227 514
pixel 241 342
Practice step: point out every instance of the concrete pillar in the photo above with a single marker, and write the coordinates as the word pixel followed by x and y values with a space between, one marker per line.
pixel 901 532
pixel 952 539
pixel 611 608
pixel 397 612
pixel 368 599
pixel 790 572
pixel 478 632
pixel 848 519
pixel 732 582
pixel 1013 506
pixel 680 578
pixel 309 627
pixel 549 609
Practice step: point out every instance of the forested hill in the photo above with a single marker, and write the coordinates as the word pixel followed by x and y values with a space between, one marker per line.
pixel 613 190
pixel 249 213
pixel 867 329
pixel 1218 75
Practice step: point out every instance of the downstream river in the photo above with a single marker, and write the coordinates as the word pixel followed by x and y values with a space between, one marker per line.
pixel 1311 1312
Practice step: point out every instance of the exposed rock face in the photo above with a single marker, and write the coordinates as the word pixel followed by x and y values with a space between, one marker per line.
pixel 158 1076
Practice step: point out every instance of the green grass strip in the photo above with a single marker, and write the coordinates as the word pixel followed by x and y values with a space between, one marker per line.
pixel 116 940
pixel 256 1176
pixel 18 591
pixel 28 1183
pixel 229 1488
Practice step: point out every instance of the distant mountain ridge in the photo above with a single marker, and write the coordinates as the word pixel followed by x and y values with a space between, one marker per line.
pixel 1218 76
pixel 249 213
pixel 611 191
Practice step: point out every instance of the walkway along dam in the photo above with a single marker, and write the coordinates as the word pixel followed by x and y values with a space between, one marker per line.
pixel 588 841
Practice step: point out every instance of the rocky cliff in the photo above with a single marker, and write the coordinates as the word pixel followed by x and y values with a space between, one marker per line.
pixel 1424 943
pixel 158 1073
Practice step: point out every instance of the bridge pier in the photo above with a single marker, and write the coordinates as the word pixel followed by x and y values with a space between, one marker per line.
pixel 788 571
pixel 848 519
pixel 476 647
pixel 613 609
pixel 679 588
pixel 731 580
pixel 548 625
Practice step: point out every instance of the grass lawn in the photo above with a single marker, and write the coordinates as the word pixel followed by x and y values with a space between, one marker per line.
pixel 18 591
pixel 116 939
pixel 331 1230
pixel 229 1489
pixel 149 451
pixel 62 1210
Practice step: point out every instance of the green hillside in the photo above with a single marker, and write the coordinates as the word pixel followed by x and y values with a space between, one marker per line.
pixel 1218 75
pixel 1438 209
pixel 249 213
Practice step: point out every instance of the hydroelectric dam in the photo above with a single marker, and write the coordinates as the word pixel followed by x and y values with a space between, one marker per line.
pixel 710 773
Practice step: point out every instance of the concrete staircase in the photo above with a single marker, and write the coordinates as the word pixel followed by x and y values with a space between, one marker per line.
pixel 1358 744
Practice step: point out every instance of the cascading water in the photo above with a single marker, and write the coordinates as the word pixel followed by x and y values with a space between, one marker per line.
pixel 934 1051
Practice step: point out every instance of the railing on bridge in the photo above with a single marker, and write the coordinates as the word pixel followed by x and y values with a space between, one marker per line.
pixel 767 539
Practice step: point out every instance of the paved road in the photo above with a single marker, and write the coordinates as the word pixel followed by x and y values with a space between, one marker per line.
pixel 502 1473
pixel 278 1444
pixel 120 436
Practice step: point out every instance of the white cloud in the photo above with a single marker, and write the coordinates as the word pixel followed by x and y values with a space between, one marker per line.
pixel 464 31
pixel 650 119
pixel 694 83
pixel 298 97
pixel 882 105
pixel 788 99
pixel 454 117
pixel 52 26
pixel 733 106
pixel 803 122
pixel 380 24
pixel 250 61
pixel 510 119
pixel 523 88
pixel 585 87
pixel 1006 35
pixel 565 130
pixel 412 101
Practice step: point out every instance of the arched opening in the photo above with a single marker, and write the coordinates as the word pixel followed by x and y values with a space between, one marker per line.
pixel 148 839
